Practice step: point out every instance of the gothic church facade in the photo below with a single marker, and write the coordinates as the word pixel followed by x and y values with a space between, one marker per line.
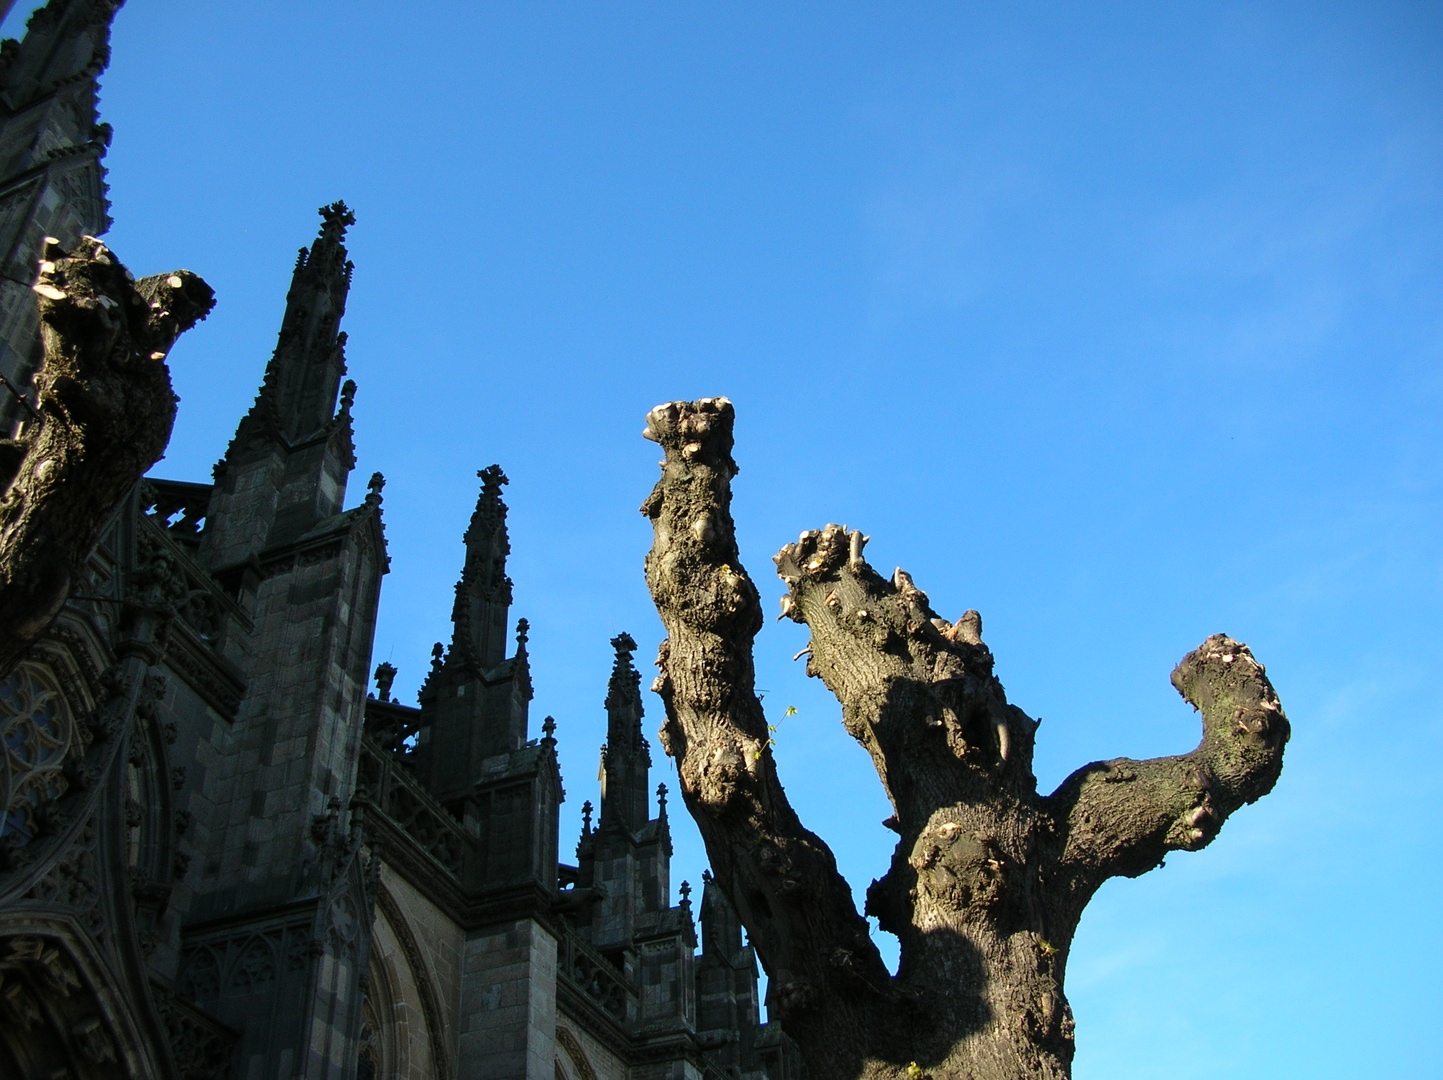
pixel 221 853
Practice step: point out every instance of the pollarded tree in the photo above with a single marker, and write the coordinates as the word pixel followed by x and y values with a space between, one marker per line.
pixel 990 876
pixel 103 417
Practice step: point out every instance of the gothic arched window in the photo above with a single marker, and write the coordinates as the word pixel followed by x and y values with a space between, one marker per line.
pixel 37 735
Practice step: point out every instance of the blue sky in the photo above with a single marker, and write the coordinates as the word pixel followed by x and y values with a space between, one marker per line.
pixel 1120 323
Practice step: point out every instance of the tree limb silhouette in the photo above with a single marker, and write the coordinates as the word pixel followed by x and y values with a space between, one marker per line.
pixel 989 876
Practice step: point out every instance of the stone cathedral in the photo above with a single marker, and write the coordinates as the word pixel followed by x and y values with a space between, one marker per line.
pixel 262 866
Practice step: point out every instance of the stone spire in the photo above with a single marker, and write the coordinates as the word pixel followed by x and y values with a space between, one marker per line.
pixel 626 758
pixel 475 697
pixel 727 1008
pixel 297 400
pixel 483 595
pixel 286 469
pixel 64 41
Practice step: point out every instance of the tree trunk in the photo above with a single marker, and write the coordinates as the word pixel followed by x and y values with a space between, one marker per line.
pixel 103 417
pixel 989 877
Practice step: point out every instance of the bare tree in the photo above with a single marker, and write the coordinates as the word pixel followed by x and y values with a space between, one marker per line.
pixel 103 416
pixel 989 877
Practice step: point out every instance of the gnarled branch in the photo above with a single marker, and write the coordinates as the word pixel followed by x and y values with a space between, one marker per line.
pixel 989 878
pixel 916 691
pixel 1121 817
pixel 783 880
pixel 103 417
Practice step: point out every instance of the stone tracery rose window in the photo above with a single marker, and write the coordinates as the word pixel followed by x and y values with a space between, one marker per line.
pixel 37 735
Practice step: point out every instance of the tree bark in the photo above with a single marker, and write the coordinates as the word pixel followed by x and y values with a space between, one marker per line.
pixel 989 876
pixel 103 417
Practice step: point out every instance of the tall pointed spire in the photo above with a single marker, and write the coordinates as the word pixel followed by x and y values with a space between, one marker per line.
pixel 626 758
pixel 286 469
pixel 476 699
pixel 297 400
pixel 483 595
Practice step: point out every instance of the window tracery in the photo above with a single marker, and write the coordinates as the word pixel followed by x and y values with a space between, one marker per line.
pixel 38 736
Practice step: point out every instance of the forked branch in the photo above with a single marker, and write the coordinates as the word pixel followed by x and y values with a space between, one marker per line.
pixel 989 878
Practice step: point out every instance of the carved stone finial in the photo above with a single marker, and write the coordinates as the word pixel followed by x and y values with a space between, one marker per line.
pixel 523 634
pixel 624 645
pixel 586 809
pixel 438 651
pixel 706 877
pixel 548 728
pixel 685 891
pixel 337 216
pixel 385 676
pixel 348 396
pixel 373 489
pixel 661 800
pixel 492 481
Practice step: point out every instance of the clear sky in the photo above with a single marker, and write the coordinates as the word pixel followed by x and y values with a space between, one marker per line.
pixel 1120 323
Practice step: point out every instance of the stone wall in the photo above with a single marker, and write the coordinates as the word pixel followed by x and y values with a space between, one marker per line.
pixel 508 1004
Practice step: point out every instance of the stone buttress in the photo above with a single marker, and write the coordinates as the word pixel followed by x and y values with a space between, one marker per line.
pixel 479 761
pixel 280 900
pixel 285 470
pixel 475 700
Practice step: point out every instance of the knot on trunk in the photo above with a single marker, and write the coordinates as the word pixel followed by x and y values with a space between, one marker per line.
pixel 959 869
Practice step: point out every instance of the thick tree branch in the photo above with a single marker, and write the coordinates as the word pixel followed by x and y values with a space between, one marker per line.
pixel 916 691
pixel 783 879
pixel 1121 817
pixel 955 758
pixel 988 879
pixel 104 415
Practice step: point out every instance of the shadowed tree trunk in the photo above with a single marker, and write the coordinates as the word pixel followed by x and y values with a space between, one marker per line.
pixel 989 877
pixel 103 416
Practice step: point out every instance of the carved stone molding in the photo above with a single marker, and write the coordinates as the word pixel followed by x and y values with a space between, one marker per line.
pixel 241 960
pixel 209 675
pixel 572 1046
pixel 74 881
pixel 430 1007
